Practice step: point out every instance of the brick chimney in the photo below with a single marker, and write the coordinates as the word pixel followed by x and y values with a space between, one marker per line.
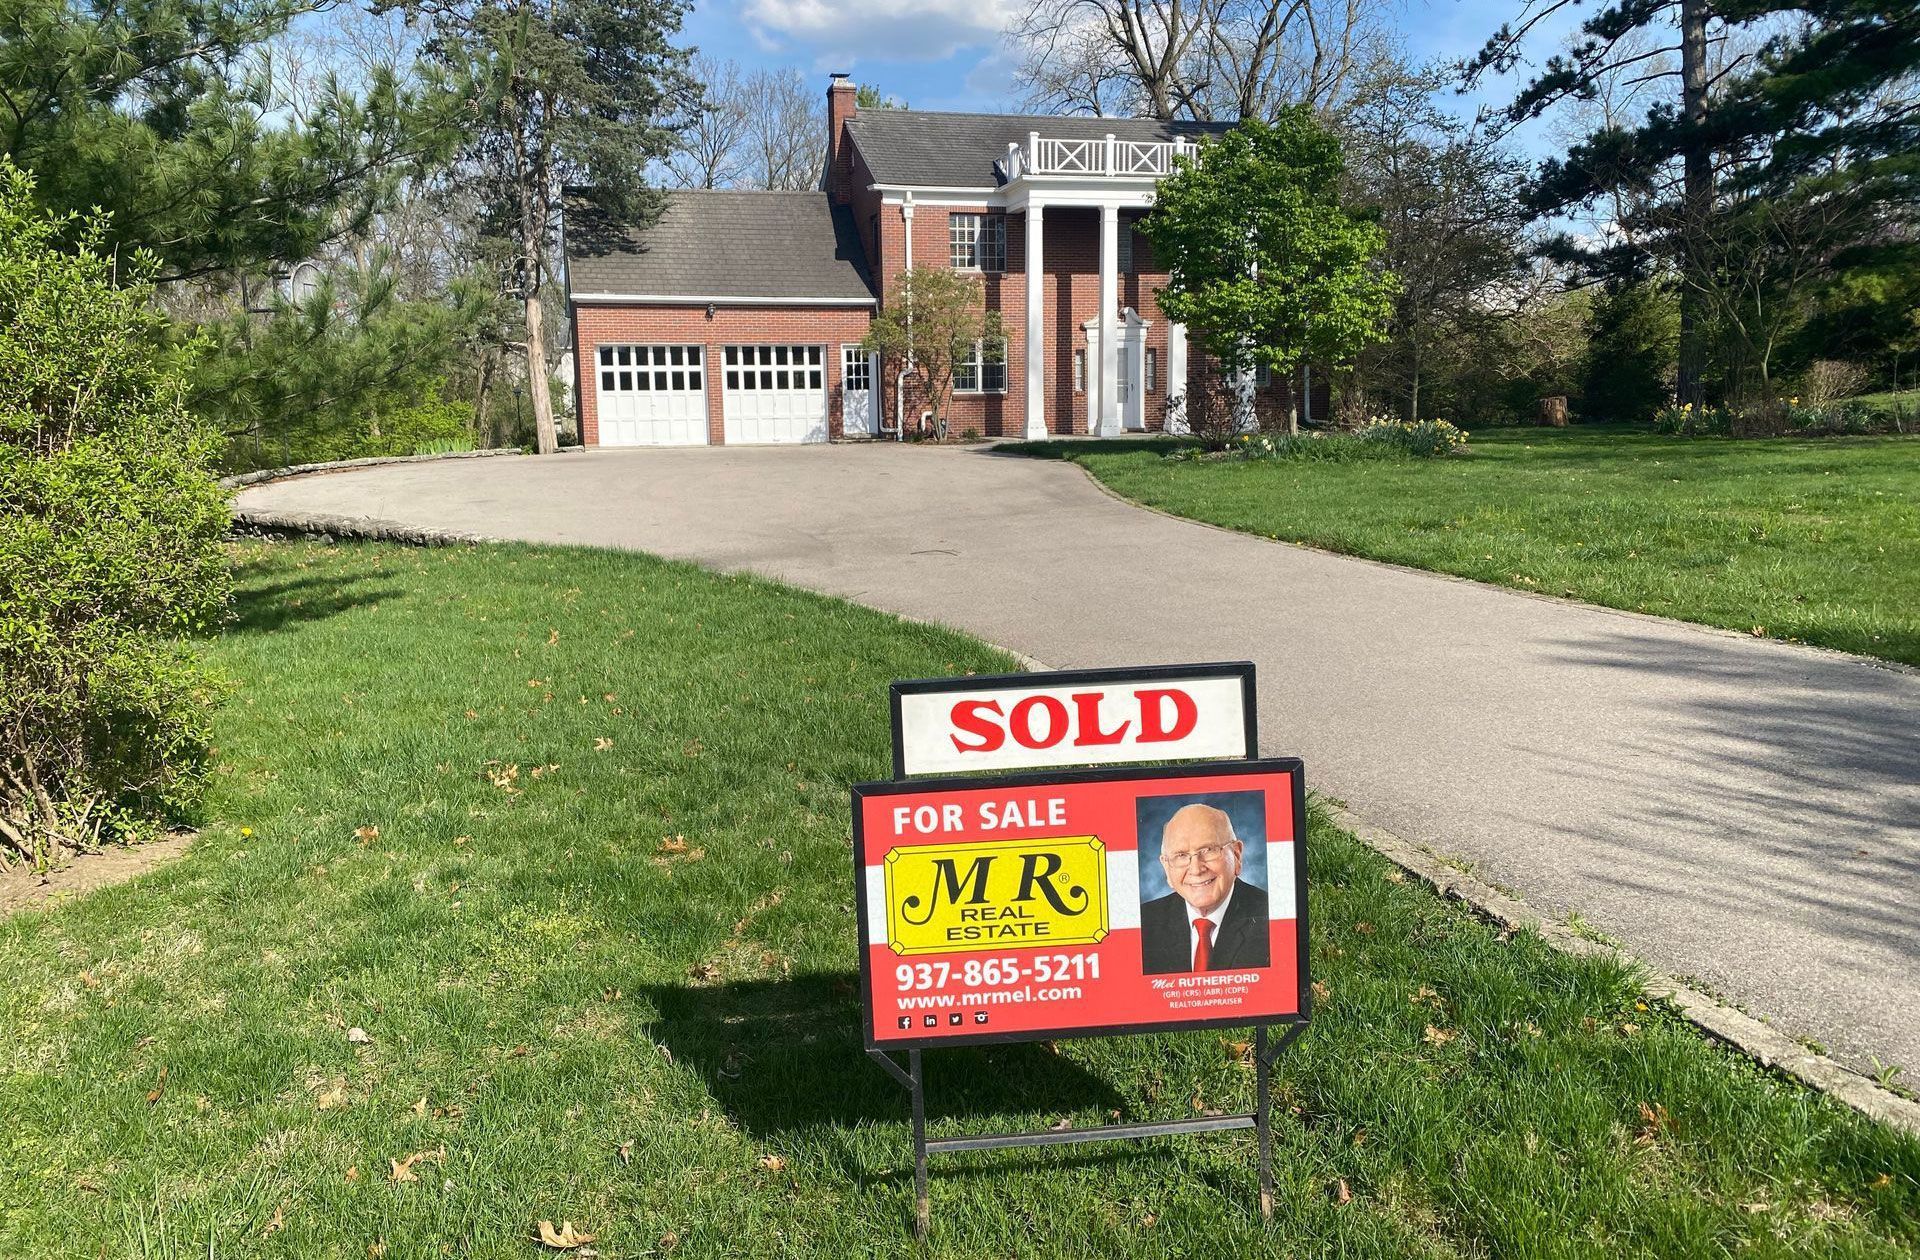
pixel 840 107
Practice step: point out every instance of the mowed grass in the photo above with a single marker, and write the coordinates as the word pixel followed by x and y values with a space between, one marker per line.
pixel 1814 540
pixel 602 948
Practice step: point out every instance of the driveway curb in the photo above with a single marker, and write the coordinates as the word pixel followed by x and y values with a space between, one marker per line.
pixel 264 475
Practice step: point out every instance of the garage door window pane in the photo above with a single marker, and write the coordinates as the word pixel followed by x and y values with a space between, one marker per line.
pixel 693 380
pixel 766 380
pixel 815 381
pixel 733 355
pixel 733 380
pixel 780 380
pixel 606 356
pixel 606 380
pixel 640 380
pixel 693 355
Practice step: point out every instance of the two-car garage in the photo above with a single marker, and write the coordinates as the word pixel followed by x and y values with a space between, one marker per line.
pixel 731 318
pixel 658 395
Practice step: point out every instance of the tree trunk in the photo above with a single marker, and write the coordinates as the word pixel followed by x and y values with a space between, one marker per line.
pixel 1696 199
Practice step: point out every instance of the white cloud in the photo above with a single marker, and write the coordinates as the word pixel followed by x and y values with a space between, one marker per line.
pixel 890 30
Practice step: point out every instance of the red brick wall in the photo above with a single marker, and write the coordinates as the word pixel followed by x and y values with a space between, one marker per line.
pixel 1072 272
pixel 597 325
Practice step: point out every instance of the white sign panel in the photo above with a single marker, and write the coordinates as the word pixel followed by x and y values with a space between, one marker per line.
pixel 1073 718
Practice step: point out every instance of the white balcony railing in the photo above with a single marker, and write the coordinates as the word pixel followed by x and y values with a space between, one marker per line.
pixel 1106 157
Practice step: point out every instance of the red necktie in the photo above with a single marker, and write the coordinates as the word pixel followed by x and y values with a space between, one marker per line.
pixel 1203 944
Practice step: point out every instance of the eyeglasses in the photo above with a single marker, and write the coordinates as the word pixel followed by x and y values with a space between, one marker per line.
pixel 1206 853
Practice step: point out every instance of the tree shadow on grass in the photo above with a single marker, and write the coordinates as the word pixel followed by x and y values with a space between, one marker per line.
pixel 784 1057
pixel 262 608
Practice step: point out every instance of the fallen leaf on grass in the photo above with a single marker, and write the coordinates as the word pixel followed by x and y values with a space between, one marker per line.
pixel 419 1108
pixel 1364 929
pixel 601 743
pixel 773 1163
pixel 1439 1036
pixel 358 1037
pixel 278 1223
pixel 566 1238
pixel 87 978
pixel 703 971
pixel 333 1097
pixel 1341 1192
pixel 1627 1030
pixel 1238 1051
pixel 366 835
pixel 1883 1182
pixel 553 638
pixel 1396 877
pixel 1320 991
pixel 1653 1120
pixel 353 1172
pixel 1756 1207
pixel 668 1241
pixel 403 1168
pixel 1424 996
pixel 625 1151
pixel 673 844
pixel 460 840
pixel 159 1086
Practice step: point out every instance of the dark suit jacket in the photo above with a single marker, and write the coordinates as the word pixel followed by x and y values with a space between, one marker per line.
pixel 1240 941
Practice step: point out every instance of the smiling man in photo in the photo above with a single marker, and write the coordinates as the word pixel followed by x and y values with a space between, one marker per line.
pixel 1212 920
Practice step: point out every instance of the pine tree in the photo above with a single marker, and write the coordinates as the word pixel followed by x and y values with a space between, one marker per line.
pixel 557 93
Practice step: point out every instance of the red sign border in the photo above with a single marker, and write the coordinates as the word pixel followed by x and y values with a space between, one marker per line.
pixel 1239 671
pixel 1211 769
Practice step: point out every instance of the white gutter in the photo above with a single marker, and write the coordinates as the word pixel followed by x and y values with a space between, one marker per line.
pixel 691 299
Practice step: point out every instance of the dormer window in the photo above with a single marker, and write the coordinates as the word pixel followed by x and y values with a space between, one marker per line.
pixel 977 242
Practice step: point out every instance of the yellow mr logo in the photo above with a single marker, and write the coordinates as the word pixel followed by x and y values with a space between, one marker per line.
pixel 950 898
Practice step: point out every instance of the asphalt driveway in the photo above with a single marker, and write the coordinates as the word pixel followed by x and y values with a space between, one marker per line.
pixel 1738 811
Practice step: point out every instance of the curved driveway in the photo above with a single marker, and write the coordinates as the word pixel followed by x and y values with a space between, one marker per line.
pixel 1738 811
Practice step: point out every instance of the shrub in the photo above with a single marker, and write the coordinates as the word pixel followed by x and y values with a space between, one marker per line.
pixel 1377 439
pixel 1828 380
pixel 109 545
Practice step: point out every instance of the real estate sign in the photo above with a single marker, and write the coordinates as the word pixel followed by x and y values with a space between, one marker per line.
pixel 1022 907
pixel 1073 718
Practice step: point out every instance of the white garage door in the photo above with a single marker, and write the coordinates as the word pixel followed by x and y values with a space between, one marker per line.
pixel 775 394
pixel 652 395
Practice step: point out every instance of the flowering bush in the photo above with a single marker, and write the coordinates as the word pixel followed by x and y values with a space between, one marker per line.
pixel 1688 420
pixel 1378 438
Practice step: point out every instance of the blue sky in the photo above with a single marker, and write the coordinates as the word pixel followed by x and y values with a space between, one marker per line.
pixel 948 55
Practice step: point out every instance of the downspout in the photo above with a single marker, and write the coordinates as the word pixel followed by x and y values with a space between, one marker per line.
pixel 900 381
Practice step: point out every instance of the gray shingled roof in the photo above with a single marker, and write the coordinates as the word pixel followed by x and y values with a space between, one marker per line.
pixel 721 244
pixel 922 149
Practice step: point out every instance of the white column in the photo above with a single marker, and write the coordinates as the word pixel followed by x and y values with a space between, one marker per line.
pixel 1176 383
pixel 1036 326
pixel 1109 369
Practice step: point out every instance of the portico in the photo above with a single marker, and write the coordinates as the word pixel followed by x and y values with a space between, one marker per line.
pixel 1109 175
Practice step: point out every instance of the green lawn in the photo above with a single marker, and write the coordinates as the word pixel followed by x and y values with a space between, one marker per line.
pixel 1816 540
pixel 601 946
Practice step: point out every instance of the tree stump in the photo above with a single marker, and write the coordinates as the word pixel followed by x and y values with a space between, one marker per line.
pixel 1552 412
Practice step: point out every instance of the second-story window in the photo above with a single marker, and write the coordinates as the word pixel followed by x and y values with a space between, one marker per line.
pixel 978 242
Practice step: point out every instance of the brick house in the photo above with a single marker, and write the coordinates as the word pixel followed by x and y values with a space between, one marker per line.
pixel 737 316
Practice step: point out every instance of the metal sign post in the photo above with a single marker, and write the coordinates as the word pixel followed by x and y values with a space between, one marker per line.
pixel 961 880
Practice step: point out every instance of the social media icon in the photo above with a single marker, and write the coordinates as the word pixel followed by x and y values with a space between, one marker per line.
pixel 932 1021
pixel 979 1017
pixel 906 1022
pixel 954 1019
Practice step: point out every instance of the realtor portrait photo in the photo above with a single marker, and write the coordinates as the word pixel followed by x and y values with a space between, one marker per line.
pixel 1203 903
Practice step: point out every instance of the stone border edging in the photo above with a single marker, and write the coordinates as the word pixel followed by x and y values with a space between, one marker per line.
pixel 1759 1041
pixel 237 480
pixel 326 528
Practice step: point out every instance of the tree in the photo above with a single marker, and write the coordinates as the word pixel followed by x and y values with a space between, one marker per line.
pixel 1266 266
pixel 786 131
pixel 709 150
pixel 1201 59
pixel 109 545
pixel 932 320
pixel 1632 351
pixel 558 92
pixel 167 117
pixel 1764 93
pixel 1447 196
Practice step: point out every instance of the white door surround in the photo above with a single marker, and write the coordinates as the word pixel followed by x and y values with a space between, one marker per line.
pixel 858 370
pixel 1129 366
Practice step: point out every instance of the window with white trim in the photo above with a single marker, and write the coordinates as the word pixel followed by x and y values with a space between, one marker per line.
pixel 977 242
pixel 1153 369
pixel 976 374
pixel 1263 377
pixel 773 367
pixel 1079 371
pixel 1126 246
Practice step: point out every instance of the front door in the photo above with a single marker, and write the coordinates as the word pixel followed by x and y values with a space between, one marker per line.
pixel 858 415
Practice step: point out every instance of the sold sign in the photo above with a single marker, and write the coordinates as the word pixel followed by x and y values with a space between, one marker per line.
pixel 1073 718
